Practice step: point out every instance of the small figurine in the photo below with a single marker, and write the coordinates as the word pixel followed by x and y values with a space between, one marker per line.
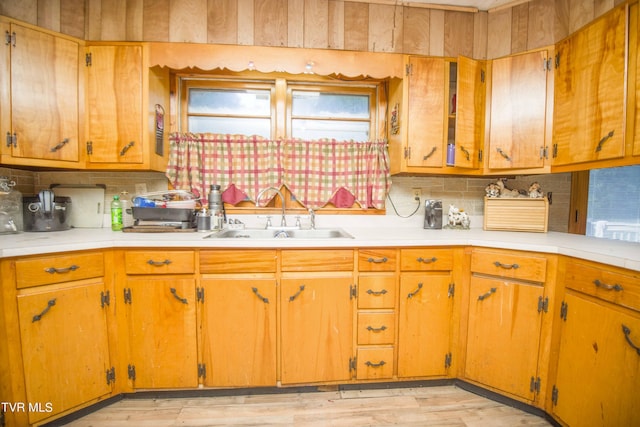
pixel 458 218
pixel 492 190
pixel 535 191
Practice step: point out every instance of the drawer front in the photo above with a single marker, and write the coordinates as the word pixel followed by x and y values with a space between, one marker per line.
pixel 317 260
pixel 426 259
pixel 618 288
pixel 377 291
pixel 238 261
pixel 508 264
pixel 374 363
pixel 58 269
pixel 376 328
pixel 159 262
pixel 377 259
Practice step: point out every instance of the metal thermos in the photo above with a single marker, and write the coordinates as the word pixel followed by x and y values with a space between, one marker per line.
pixel 216 208
pixel 433 214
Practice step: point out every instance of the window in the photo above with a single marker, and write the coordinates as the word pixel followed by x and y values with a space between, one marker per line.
pixel 613 210
pixel 313 110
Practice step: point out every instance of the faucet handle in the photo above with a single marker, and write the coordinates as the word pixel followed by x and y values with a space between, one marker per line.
pixel 298 224
pixel 268 221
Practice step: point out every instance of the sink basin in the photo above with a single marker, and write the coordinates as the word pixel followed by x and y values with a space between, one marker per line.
pixel 253 233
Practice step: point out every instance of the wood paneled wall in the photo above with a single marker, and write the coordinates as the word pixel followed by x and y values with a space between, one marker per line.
pixel 332 24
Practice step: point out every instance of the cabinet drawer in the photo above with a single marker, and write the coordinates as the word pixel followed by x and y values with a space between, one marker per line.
pixel 377 291
pixel 318 260
pixel 376 328
pixel 426 259
pixel 377 259
pixel 159 262
pixel 509 264
pixel 57 269
pixel 374 362
pixel 598 281
pixel 236 261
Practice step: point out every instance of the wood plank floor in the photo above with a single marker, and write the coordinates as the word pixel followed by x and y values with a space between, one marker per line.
pixel 419 406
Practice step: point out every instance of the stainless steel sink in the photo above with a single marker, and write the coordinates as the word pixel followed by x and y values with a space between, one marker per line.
pixel 261 233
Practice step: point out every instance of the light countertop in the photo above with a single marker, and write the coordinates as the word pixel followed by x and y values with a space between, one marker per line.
pixel 367 230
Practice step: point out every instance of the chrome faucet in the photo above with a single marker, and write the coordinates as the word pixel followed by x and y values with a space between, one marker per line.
pixel 312 218
pixel 283 221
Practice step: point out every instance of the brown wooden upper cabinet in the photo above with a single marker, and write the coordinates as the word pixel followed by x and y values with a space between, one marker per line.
pixel 114 104
pixel 589 119
pixel 518 113
pixel 39 92
pixel 444 103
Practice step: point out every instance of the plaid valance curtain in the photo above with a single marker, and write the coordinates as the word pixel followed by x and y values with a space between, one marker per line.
pixel 316 172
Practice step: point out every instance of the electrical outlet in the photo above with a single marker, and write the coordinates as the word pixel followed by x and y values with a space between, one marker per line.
pixel 417 193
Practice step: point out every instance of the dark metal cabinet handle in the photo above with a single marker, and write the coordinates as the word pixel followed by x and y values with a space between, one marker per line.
pixel 375 365
pixel 60 145
pixel 427 260
pixel 159 263
pixel 264 299
pixel 126 148
pixel 433 150
pixel 377 260
pixel 380 329
pixel 487 295
pixel 294 296
pixel 503 154
pixel 53 270
pixel 50 304
pixel 178 297
pixel 506 266
pixel 626 331
pixel 607 287
pixel 603 140
pixel 466 153
pixel 413 294
pixel 372 292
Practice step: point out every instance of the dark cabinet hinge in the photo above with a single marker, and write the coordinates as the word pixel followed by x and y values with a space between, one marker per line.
pixel 555 150
pixel 131 372
pixel 353 291
pixel 479 155
pixel 105 299
pixel 89 148
pixel 127 295
pixel 452 290
pixel 111 375
pixel 563 311
pixel 554 396
pixel 543 304
pixel 407 152
pixel 202 370
pixel 88 60
pixel 12 139
pixel 447 360
pixel 200 295
pixel 408 69
pixel 352 363
pixel 558 60
pixel 482 76
pixel 534 386
pixel 10 38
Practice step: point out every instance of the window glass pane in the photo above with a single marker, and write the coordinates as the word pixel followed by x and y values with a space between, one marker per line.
pixel 614 203
pixel 336 129
pixel 230 125
pixel 321 104
pixel 239 102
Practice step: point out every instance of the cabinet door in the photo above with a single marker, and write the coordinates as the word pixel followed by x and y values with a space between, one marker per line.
pixel 598 377
pixel 114 111
pixel 239 332
pixel 504 335
pixel 469 112
pixel 518 111
pixel 44 95
pixel 424 333
pixel 64 348
pixel 317 329
pixel 427 110
pixel 589 108
pixel 162 331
